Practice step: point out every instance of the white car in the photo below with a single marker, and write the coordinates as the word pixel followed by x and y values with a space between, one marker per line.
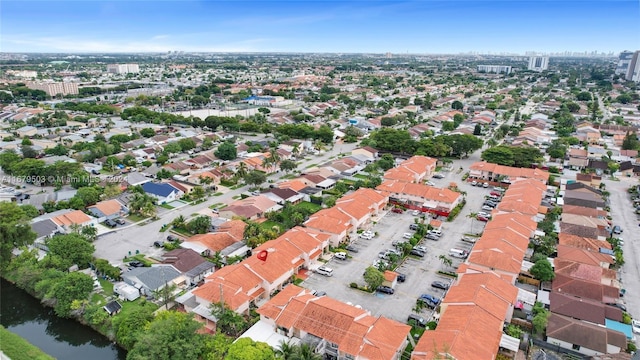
pixel 635 326
pixel 407 235
pixel 366 236
pixel 484 214
pixel 474 183
pixel 416 212
pixel 487 208
pixel 369 233
pixel 430 183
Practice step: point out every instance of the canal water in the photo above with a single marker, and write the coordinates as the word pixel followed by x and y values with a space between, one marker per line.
pixel 64 339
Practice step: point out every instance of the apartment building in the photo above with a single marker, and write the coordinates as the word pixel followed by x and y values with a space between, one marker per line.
pixel 538 63
pixel 123 68
pixel 54 88
pixel 496 69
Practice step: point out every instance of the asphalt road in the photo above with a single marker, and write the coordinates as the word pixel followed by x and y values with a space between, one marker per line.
pixel 114 246
pixel 623 214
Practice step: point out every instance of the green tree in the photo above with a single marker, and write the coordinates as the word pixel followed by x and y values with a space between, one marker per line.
pixel 30 211
pixel 630 141
pixel 288 165
pixel 186 144
pixel 170 336
pixel 28 152
pixel 197 193
pixel 72 286
pixel 457 105
pixel 255 177
pixel 147 132
pixel 172 148
pixel 200 225
pixel 542 270
pixel 129 328
pixel 584 96
pixel 207 143
pixel 226 151
pixel 247 349
pixel 215 346
pixel 15 230
pixel 89 195
pixel 373 277
pixel 501 155
pixel 71 249
pixel 477 130
pixel 229 321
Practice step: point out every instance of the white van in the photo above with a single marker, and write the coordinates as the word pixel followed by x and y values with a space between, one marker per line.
pixel 323 270
pixel 458 253
pixel 341 255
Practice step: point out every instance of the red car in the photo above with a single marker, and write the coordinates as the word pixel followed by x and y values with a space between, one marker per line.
pixel 482 218
pixel 495 193
pixel 397 210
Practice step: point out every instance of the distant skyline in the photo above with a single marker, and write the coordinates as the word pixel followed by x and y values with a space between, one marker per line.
pixel 424 26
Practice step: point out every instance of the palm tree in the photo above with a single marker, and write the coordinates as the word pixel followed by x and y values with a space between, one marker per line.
pixel 286 351
pixel 305 352
pixel 274 157
pixel 179 221
pixel 295 149
pixel 445 260
pixel 242 170
pixel 472 216
pixel 319 145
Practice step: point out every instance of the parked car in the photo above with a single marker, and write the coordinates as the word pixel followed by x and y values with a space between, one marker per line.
pixel 366 236
pixel 484 214
pixel 438 176
pixel 470 240
pixel 495 193
pixel 432 237
pixel 215 211
pixel 635 326
pixel 619 306
pixel 382 254
pixel 402 277
pixel 485 185
pixel 417 253
pixel 474 183
pixel 394 251
pixel 351 248
pixel 431 298
pixel 120 221
pixel 440 285
pixel 326 271
pixel 416 212
pixel 158 244
pixel 397 210
pixel 421 248
pixel 499 189
pixel 136 263
pixel 376 264
pixel 398 243
pixel 430 183
pixel 413 227
pixel 385 289
pixel 407 235
pixel 487 208
pixel 110 223
pixel 417 320
pixel 436 232
pixel 172 238
pixel 617 229
pixel 341 255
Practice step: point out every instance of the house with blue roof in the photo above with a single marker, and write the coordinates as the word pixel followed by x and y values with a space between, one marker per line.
pixel 165 193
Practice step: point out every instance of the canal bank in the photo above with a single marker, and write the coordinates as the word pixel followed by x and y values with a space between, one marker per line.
pixel 61 338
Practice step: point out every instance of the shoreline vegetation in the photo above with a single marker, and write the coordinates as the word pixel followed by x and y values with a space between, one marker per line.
pixel 16 347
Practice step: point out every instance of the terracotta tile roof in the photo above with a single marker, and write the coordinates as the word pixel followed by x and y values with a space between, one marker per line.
pixel 355 208
pixel 295 185
pixel 586 272
pixel 330 220
pixel 585 289
pixel 235 283
pixel 486 290
pixel 72 218
pixel 235 228
pixel 463 332
pixel 108 207
pixel 353 330
pixel 426 192
pixel 583 256
pixel 511 172
pixel 586 335
pixel 582 242
pixel 585 211
pixel 496 259
pixel 215 242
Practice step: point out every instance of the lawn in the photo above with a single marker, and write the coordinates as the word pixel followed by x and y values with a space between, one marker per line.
pixel 268 225
pixel 131 306
pixel 167 206
pixel 135 218
pixel 309 206
pixel 17 348
pixel 139 257
pixel 361 176
pixel 107 286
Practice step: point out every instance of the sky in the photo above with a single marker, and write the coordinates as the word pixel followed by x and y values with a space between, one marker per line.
pixel 349 26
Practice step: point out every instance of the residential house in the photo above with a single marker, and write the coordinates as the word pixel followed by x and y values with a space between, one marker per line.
pixel 584 255
pixel 585 289
pixel 250 208
pixel 583 337
pixel 152 279
pixel 583 309
pixel 193 267
pixel 164 193
pixel 282 196
pixel 492 172
pixel 227 234
pixel 415 169
pixel 334 222
pixel 369 152
pixel 108 209
pixel 421 196
pixel 67 219
pixel 591 180
pixel 578 158
pixel 136 178
pixel 334 328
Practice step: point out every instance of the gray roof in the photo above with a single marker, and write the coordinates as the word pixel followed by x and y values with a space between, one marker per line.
pixel 44 227
pixel 136 178
pixel 199 269
pixel 153 277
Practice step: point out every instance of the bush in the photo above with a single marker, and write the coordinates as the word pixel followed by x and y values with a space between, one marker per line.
pixel 353 285
pixel 431 325
pixel 456 211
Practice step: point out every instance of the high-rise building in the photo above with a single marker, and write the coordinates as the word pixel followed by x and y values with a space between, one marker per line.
pixel 123 68
pixel 633 72
pixel 54 88
pixel 623 62
pixel 538 63
pixel 498 69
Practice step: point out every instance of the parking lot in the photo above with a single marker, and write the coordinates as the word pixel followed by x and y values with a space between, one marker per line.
pixel 420 272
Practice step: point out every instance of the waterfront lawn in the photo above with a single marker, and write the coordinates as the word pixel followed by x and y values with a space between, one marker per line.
pixel 17 348
pixel 107 286
pixel 129 307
